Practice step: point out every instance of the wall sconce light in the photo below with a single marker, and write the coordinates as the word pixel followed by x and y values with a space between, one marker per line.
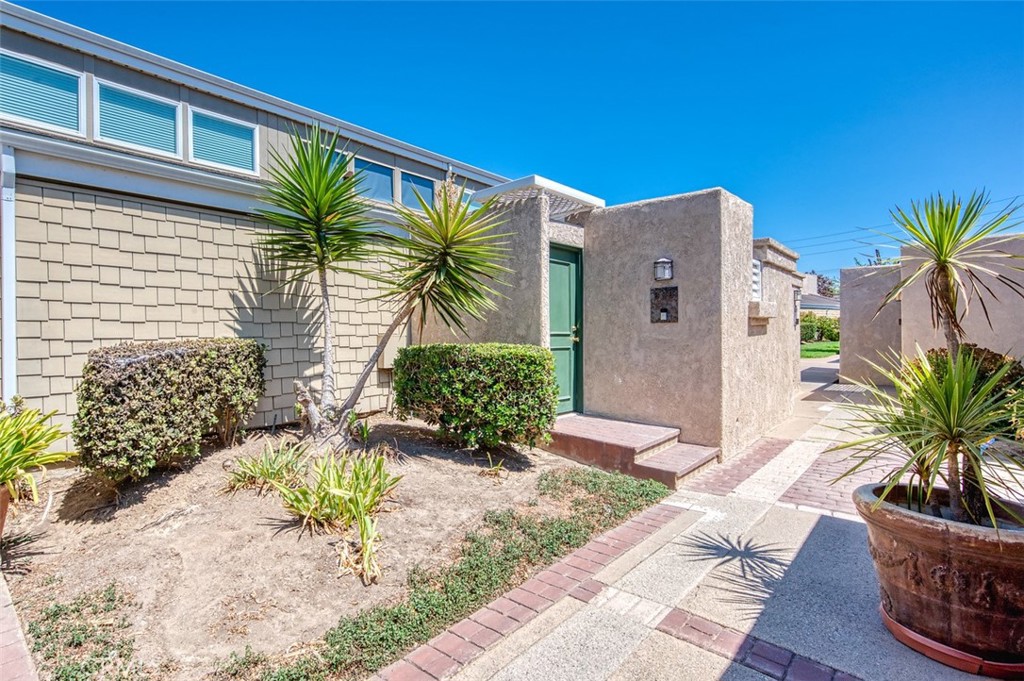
pixel 662 269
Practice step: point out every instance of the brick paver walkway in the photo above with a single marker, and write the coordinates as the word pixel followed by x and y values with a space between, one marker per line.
pixel 15 660
pixel 815 490
pixel 572 576
pixel 723 478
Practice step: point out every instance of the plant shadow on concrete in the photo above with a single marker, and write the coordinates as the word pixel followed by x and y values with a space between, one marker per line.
pixel 746 572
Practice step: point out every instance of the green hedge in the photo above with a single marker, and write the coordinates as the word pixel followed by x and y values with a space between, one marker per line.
pixel 480 394
pixel 142 405
pixel 815 328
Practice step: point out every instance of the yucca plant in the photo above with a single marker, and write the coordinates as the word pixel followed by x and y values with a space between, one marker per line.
pixel 936 426
pixel 283 464
pixel 320 224
pixel 25 437
pixel 955 249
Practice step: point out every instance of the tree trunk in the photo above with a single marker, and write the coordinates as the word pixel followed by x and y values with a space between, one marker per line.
pixel 364 375
pixel 947 316
pixel 955 483
pixel 327 400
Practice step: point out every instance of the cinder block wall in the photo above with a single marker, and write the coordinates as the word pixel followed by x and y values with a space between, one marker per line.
pixel 96 268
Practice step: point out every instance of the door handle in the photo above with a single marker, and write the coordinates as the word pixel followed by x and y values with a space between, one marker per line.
pixel 572 331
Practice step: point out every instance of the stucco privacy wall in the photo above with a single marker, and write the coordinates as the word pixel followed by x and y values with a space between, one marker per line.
pixel 760 340
pixel 1006 333
pixel 97 268
pixel 662 373
pixel 522 314
pixel 865 337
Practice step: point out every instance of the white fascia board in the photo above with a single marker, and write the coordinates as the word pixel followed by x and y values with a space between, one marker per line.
pixel 538 182
pixel 24 20
pixel 64 161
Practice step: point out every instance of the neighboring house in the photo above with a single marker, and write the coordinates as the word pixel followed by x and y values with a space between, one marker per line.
pixel 128 182
pixel 812 301
pixel 906 324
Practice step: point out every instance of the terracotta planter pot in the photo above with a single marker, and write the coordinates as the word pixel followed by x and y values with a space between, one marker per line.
pixel 952 591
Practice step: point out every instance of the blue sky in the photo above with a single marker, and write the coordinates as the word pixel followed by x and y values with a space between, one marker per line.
pixel 822 115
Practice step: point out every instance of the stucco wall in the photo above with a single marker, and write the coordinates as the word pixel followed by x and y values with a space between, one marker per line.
pixel 97 268
pixel 1006 334
pixel 633 369
pixel 761 342
pixel 864 337
pixel 522 315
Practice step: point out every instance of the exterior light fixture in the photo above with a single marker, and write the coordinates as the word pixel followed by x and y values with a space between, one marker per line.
pixel 662 269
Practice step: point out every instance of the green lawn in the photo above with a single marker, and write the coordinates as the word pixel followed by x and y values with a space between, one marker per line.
pixel 819 349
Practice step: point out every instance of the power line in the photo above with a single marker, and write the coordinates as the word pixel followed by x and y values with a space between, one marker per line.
pixel 857 230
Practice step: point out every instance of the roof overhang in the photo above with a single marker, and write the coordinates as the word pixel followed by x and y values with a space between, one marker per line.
pixel 564 200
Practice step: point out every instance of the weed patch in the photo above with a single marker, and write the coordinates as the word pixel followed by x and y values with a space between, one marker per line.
pixel 87 638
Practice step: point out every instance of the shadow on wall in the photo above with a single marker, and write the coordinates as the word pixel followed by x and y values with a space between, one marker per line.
pixel 287 317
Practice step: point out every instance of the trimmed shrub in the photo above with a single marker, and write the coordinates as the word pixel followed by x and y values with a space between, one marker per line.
pixel 989 361
pixel 828 328
pixel 479 395
pixel 808 327
pixel 143 405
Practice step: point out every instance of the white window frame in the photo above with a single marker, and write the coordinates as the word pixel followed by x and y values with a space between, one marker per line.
pixel 98 113
pixel 255 172
pixel 80 132
pixel 398 187
pixel 395 173
pixel 756 295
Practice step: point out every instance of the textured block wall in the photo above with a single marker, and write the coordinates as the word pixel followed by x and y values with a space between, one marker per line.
pixel 96 268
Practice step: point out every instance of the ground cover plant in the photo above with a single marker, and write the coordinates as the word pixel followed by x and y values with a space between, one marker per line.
pixel 478 395
pixel 493 558
pixel 87 638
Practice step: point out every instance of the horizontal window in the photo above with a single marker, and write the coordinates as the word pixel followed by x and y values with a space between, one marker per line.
pixel 222 142
pixel 377 181
pixel 137 120
pixel 413 185
pixel 41 94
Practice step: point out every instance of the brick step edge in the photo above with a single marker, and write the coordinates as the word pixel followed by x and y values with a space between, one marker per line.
pixel 447 653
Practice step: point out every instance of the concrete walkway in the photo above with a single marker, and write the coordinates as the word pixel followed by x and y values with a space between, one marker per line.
pixel 763 573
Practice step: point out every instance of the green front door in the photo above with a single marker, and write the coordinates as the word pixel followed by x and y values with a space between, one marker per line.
pixel 565 307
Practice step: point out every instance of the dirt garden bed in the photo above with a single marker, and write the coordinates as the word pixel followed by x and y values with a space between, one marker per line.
pixel 193 574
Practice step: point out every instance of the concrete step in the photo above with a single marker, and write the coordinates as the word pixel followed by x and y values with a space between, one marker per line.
pixel 673 465
pixel 606 443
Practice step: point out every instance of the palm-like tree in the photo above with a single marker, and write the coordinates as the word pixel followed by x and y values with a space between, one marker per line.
pixel 440 265
pixel 955 250
pixel 320 225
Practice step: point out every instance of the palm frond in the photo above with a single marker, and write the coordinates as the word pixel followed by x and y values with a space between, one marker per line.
pixel 953 247
pixel 447 257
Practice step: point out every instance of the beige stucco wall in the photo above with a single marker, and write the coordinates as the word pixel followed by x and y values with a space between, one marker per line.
pixel 1006 333
pixel 96 268
pixel 865 337
pixel 633 369
pixel 522 315
pixel 761 341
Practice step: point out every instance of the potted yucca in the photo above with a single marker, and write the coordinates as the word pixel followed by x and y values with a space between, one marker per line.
pixel 946 524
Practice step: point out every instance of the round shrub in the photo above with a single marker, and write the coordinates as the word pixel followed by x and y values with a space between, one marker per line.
pixel 828 328
pixel 808 327
pixel 989 361
pixel 143 405
pixel 481 394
